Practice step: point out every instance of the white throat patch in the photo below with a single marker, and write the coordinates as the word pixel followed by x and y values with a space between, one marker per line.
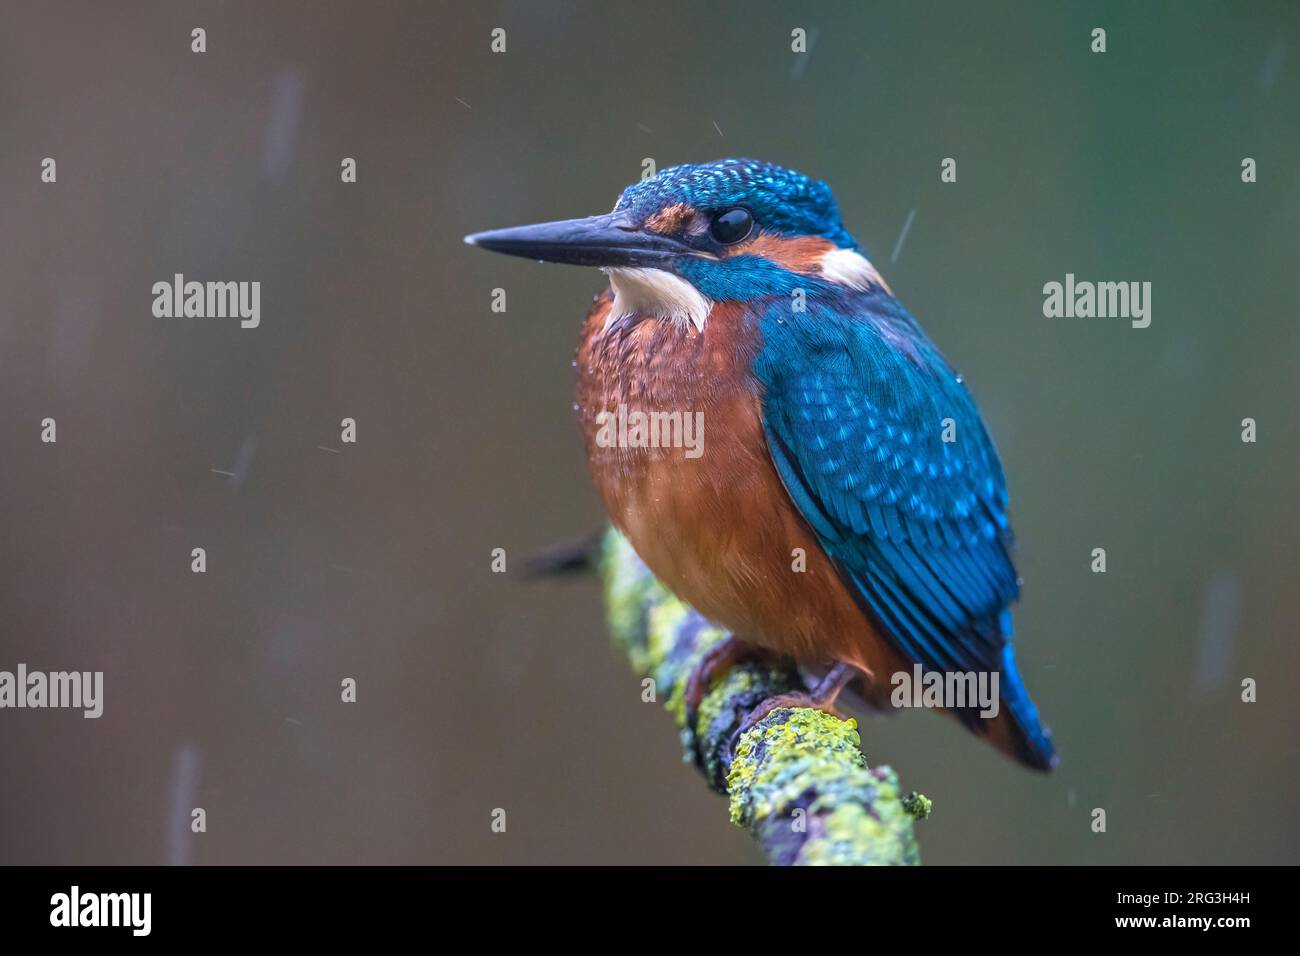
pixel 658 293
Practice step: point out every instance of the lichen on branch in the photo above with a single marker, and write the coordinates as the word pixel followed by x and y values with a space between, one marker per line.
pixel 798 780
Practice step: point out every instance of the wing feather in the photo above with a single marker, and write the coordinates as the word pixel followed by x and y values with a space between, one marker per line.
pixel 855 408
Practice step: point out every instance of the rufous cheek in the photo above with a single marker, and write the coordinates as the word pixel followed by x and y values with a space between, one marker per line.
pixel 802 254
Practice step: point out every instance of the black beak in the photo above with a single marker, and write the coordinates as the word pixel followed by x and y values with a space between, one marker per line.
pixel 603 241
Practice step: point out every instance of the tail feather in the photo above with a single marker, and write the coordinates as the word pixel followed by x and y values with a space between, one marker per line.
pixel 1020 732
pixel 1017 730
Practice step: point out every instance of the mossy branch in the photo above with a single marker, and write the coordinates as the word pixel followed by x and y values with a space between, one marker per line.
pixel 797 781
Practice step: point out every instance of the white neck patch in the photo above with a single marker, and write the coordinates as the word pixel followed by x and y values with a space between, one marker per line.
pixel 657 293
pixel 850 268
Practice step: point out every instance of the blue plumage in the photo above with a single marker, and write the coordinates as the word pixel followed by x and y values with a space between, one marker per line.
pixel 784 201
pixel 747 277
pixel 856 404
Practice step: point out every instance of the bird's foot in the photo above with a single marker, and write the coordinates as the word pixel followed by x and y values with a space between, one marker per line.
pixel 719 658
pixel 821 697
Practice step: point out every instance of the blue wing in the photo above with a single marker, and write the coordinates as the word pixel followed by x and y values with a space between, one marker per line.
pixel 856 409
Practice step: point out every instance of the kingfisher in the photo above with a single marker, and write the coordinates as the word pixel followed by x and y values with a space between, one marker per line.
pixel 848 509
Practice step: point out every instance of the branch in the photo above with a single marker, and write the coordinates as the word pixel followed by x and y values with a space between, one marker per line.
pixel 797 781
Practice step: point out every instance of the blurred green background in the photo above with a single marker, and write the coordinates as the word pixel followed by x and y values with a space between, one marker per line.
pixel 478 691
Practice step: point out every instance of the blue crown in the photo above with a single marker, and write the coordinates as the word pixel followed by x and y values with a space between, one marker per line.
pixel 780 200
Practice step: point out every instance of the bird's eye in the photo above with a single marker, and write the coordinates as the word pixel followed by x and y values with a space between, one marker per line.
pixel 731 226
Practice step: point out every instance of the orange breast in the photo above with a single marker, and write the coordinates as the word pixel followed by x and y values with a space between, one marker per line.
pixel 719 530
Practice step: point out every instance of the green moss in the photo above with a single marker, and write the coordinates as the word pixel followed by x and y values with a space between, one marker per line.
pixel 626 588
pixel 917 805
pixel 795 759
pixel 806 759
pixel 667 618
pixel 790 752
pixel 731 685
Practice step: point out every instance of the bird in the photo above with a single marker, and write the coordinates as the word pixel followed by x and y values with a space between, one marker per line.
pixel 847 509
